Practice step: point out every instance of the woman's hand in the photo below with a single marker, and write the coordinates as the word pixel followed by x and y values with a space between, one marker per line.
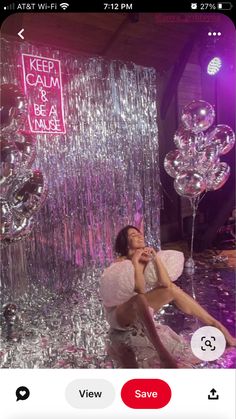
pixel 152 252
pixel 137 256
pixel 148 254
pixel 143 255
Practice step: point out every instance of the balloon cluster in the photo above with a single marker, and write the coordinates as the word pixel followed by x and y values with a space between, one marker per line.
pixel 195 164
pixel 22 190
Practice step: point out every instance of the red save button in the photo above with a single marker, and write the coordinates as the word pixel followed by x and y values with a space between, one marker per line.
pixel 146 393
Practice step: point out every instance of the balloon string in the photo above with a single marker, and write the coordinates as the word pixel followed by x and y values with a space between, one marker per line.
pixel 194 204
pixel 202 197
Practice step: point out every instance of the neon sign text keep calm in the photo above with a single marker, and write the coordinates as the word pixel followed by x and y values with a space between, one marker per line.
pixel 43 88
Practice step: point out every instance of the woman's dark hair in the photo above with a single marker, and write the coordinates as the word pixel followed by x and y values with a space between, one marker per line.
pixel 121 243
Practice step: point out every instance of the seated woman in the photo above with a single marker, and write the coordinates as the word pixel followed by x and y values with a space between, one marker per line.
pixel 126 299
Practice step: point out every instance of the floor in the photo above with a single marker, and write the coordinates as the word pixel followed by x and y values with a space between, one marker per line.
pixel 68 330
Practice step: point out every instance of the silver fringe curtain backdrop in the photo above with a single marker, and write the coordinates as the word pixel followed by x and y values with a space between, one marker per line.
pixel 102 174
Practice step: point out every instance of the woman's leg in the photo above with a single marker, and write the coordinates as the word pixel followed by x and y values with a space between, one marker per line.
pixel 182 300
pixel 137 308
pixel 157 297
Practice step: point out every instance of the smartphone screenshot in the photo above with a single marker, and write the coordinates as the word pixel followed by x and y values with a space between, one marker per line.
pixel 118 212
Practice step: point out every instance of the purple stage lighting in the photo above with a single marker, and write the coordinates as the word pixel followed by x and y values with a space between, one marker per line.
pixel 214 66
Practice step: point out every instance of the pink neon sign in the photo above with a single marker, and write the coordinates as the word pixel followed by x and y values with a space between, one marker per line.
pixel 43 88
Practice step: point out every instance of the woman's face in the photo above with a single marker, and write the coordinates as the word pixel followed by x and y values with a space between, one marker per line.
pixel 135 239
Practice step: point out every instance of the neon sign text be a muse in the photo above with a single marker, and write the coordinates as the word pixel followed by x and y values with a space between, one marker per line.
pixel 43 88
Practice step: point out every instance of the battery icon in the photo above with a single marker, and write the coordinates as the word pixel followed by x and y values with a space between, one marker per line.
pixel 224 6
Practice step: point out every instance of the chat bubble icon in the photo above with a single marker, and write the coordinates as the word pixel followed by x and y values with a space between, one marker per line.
pixel 22 393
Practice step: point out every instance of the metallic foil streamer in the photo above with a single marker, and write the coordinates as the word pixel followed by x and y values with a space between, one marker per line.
pixel 102 174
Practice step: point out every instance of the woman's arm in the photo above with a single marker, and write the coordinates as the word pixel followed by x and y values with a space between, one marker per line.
pixel 160 269
pixel 139 279
pixel 138 272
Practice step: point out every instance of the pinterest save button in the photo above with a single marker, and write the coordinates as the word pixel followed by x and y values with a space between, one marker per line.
pixel 146 393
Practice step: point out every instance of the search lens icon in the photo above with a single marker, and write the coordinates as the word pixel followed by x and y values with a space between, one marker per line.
pixel 208 343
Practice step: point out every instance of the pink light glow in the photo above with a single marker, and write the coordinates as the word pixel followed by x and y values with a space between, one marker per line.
pixel 43 88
